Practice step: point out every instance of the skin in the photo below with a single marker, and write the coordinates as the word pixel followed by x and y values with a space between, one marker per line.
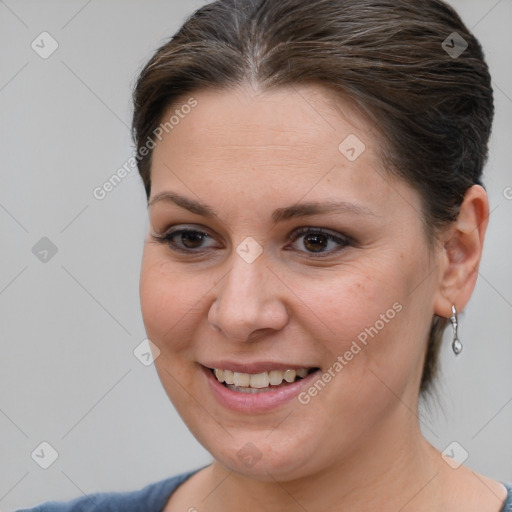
pixel 357 445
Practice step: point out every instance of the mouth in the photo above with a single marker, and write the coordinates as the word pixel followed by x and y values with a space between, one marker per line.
pixel 256 387
pixel 261 382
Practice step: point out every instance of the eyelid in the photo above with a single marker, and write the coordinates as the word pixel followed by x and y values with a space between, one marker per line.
pixel 172 229
pixel 342 241
pixel 165 237
pixel 325 231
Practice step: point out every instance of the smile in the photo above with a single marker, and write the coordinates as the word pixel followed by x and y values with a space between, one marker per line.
pixel 252 389
pixel 259 382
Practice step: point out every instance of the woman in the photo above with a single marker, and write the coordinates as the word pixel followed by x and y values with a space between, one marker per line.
pixel 317 218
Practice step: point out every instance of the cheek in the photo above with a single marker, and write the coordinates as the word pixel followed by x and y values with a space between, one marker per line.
pixel 170 304
pixel 170 301
pixel 367 315
pixel 357 319
pixel 344 303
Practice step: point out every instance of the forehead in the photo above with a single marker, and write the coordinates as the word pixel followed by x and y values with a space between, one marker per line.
pixel 293 141
pixel 291 117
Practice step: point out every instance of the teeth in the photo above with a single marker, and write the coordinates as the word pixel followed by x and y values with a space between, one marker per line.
pixel 275 377
pixel 258 380
pixel 241 380
pixel 228 377
pixel 289 375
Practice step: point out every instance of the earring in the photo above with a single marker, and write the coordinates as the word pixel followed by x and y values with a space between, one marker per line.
pixel 456 344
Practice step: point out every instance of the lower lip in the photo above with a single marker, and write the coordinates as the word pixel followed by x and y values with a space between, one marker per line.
pixel 255 402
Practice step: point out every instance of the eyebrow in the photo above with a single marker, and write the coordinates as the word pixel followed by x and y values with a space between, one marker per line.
pixel 278 215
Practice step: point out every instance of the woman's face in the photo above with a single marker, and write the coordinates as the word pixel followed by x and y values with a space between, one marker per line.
pixel 255 288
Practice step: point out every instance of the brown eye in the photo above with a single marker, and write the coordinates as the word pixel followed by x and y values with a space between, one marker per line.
pixel 184 240
pixel 192 239
pixel 319 242
pixel 315 242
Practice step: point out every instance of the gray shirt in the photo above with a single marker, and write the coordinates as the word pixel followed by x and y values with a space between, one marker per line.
pixel 151 498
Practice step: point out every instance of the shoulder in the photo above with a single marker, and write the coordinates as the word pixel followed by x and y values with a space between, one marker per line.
pixel 151 498
pixel 507 506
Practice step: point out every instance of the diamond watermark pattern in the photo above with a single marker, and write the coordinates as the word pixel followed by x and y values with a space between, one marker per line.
pixel 454 45
pixel 352 147
pixel 44 455
pixel 146 352
pixel 44 45
pixel 44 250
pixel 249 249
pixel 454 455
pixel 249 455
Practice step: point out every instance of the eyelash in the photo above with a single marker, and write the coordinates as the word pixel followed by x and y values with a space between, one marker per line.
pixel 167 239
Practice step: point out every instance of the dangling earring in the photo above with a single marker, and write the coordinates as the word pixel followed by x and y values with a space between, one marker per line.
pixel 456 344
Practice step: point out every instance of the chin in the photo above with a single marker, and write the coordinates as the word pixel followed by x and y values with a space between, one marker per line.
pixel 264 456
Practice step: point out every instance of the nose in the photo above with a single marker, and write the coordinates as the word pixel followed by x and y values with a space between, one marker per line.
pixel 249 302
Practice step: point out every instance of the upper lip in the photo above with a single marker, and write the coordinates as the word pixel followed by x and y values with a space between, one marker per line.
pixel 254 367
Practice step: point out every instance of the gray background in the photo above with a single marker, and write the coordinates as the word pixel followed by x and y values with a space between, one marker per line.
pixel 69 326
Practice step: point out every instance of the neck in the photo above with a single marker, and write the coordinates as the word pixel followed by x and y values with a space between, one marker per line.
pixel 397 465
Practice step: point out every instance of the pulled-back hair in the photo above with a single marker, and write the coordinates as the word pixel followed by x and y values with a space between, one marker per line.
pixel 404 63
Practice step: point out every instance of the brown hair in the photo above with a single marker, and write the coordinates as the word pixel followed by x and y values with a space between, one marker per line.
pixel 398 60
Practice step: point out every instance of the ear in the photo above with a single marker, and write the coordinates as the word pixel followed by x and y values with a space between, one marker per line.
pixel 461 252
